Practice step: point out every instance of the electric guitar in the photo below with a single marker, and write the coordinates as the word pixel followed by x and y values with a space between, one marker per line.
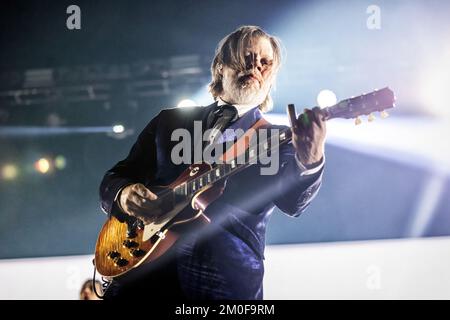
pixel 124 245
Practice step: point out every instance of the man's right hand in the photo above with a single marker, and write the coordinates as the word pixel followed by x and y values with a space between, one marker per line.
pixel 139 202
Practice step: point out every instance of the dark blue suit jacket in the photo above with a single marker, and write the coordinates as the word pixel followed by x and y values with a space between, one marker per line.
pixel 226 261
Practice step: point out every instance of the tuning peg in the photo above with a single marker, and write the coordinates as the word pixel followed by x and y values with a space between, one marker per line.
pixel 357 121
pixel 384 114
pixel 371 118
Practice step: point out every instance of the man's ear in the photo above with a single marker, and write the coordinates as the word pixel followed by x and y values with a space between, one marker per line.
pixel 220 69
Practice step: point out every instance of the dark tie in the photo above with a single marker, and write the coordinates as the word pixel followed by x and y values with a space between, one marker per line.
pixel 221 118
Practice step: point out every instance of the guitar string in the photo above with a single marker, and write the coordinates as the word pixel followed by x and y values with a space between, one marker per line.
pixel 166 192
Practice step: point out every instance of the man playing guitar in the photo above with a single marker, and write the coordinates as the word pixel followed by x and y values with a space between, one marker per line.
pixel 226 260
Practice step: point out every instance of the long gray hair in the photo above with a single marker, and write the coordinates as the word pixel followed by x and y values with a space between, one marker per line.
pixel 231 52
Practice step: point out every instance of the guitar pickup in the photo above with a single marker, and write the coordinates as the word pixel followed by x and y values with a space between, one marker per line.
pixel 137 252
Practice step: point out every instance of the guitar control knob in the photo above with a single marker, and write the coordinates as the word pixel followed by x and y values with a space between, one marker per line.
pixel 113 255
pixel 384 114
pixel 371 118
pixel 358 120
pixel 137 252
pixel 131 231
pixel 121 262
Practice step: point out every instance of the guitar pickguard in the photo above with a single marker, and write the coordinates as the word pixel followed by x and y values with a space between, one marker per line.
pixel 159 225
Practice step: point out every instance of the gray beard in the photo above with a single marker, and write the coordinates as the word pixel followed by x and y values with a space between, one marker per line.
pixel 243 93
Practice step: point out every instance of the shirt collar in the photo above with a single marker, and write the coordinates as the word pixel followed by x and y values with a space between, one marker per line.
pixel 241 108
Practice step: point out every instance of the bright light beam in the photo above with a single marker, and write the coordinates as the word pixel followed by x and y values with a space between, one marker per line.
pixel 326 98
pixel 42 165
pixel 186 103
pixel 9 171
pixel 118 128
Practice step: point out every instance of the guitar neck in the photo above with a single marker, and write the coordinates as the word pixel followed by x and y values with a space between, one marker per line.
pixel 224 170
pixel 365 104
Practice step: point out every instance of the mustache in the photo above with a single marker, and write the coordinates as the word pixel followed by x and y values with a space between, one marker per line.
pixel 245 75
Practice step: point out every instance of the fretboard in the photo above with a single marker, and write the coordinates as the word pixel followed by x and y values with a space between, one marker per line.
pixel 223 170
pixel 347 109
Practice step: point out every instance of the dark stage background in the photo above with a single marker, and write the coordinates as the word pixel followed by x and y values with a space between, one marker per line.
pixel 62 91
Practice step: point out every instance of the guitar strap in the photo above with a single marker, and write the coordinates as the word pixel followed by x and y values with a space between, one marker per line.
pixel 218 120
pixel 243 142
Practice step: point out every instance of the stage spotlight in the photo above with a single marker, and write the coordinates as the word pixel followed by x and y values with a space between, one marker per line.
pixel 60 162
pixel 9 172
pixel 118 128
pixel 326 98
pixel 186 103
pixel 42 165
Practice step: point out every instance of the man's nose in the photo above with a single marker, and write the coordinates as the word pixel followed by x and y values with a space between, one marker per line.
pixel 255 62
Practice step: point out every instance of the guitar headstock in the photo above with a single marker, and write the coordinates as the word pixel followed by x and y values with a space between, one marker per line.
pixel 365 104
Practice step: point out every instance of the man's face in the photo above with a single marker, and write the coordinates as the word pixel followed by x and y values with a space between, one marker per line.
pixel 252 85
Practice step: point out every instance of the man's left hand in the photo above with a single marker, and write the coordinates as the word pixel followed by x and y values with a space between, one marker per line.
pixel 308 136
